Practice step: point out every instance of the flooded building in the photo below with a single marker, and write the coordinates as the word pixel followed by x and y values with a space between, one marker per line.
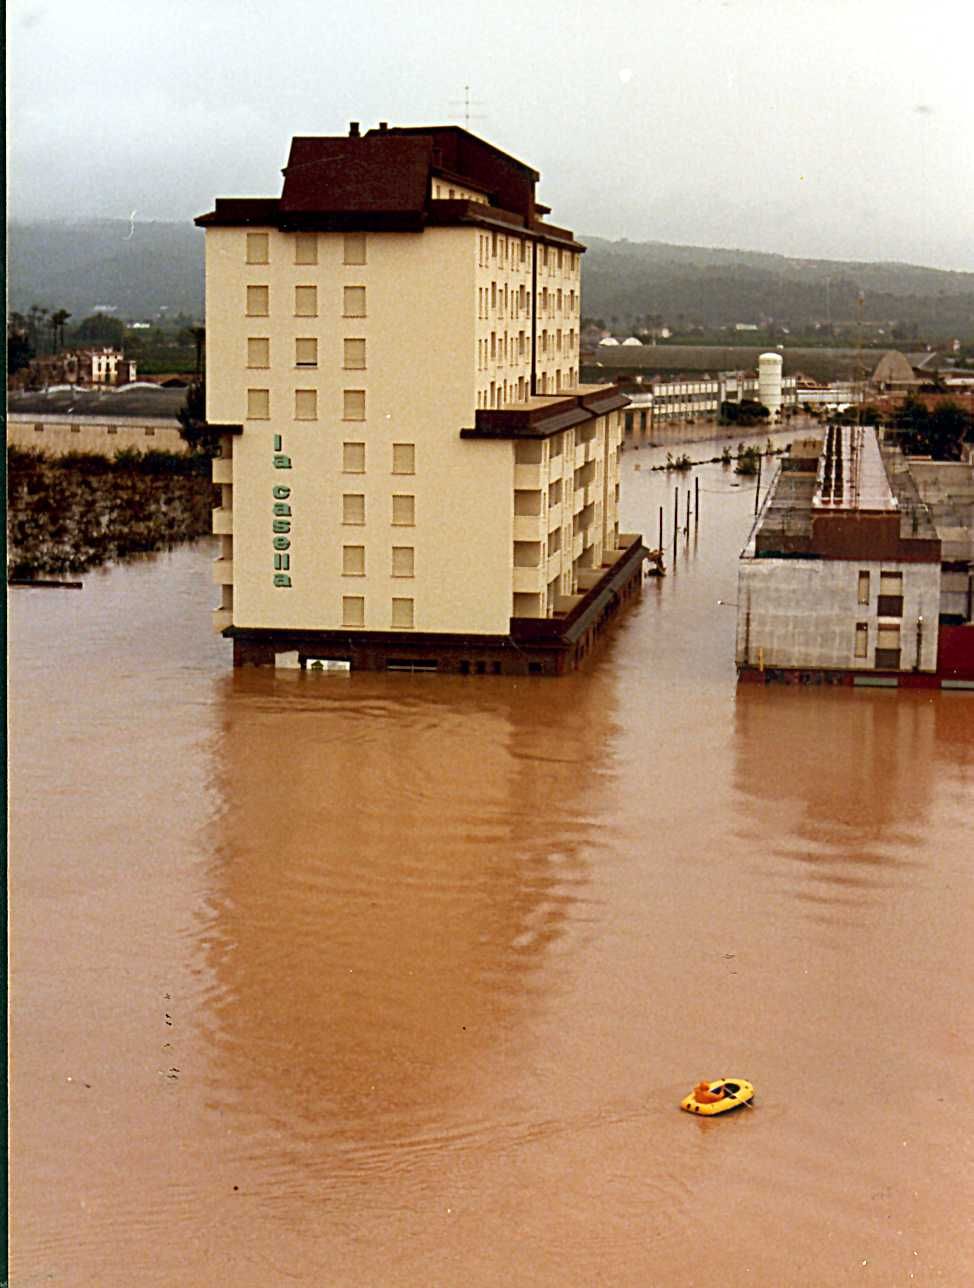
pixel 412 474
pixel 852 574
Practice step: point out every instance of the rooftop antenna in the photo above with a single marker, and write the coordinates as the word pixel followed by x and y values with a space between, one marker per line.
pixel 467 104
pixel 859 368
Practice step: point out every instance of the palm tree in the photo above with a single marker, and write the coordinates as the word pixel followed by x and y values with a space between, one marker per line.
pixel 198 335
pixel 58 320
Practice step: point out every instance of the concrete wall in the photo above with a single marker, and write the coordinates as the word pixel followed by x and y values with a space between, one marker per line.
pixel 803 613
pixel 58 434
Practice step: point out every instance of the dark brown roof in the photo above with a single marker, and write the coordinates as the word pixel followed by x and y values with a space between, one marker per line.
pixel 545 415
pixel 379 173
pixel 381 181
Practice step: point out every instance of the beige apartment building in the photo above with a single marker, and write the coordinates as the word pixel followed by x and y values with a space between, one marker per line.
pixel 412 475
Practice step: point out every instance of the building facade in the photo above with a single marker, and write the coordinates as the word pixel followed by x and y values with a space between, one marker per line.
pixel 846 577
pixel 411 472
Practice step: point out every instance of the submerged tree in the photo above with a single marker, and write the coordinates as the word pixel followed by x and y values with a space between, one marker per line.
pixel 193 427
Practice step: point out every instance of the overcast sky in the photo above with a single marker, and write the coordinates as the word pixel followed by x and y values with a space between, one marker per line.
pixel 820 128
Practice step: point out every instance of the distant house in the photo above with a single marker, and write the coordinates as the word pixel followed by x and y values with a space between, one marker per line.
pixel 104 367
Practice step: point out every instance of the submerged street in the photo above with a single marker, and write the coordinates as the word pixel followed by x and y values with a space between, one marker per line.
pixel 380 979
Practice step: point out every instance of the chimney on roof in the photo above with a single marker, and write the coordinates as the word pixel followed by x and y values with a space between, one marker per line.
pixel 383 126
pixel 353 130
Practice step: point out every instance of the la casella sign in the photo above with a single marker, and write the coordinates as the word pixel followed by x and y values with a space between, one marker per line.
pixel 282 518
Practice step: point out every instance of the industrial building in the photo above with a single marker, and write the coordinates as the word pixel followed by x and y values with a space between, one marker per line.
pixel 60 420
pixel 856 573
pixel 412 474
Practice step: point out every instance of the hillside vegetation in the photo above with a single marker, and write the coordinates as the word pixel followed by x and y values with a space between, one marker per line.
pixel 142 268
pixel 683 286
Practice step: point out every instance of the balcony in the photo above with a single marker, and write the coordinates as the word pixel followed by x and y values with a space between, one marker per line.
pixel 223 469
pixel 223 521
pixel 575 613
pixel 529 580
pixel 222 618
pixel 528 476
pixel 554 516
pixel 555 468
pixel 223 572
pixel 528 527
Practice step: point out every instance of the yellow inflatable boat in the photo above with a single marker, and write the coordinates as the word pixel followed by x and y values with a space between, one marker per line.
pixel 718 1097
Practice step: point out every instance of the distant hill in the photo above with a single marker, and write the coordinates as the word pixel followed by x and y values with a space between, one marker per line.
pixel 80 264
pixel 685 285
pixel 141 268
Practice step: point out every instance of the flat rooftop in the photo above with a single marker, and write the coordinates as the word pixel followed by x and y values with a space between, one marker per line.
pixel 851 473
pixel 100 404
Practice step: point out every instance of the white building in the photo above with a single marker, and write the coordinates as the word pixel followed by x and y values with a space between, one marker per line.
pixel 412 473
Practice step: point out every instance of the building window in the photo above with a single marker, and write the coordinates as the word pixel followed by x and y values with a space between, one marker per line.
pixel 354 301
pixel 353 458
pixel 403 561
pixel 306 248
pixel 258 301
pixel 404 458
pixel 888 648
pixel 403 511
pixel 403 614
pixel 354 248
pixel 862 639
pixel 306 301
pixel 863 588
pixel 258 248
pixel 353 561
pixel 258 351
pixel 353 404
pixel 355 355
pixel 306 351
pixel 305 404
pixel 353 508
pixel 890 602
pixel 258 404
pixel 353 610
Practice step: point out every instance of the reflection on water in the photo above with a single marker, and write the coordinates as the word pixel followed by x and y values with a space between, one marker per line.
pixel 398 980
pixel 392 862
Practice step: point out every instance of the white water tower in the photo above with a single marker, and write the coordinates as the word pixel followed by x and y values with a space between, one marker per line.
pixel 769 383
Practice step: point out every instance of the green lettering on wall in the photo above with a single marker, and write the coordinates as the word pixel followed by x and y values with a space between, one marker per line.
pixel 282 525
pixel 281 492
pixel 280 508
pixel 282 543
pixel 282 462
pixel 281 579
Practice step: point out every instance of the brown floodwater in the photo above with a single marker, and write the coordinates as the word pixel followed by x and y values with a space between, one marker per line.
pixel 399 980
